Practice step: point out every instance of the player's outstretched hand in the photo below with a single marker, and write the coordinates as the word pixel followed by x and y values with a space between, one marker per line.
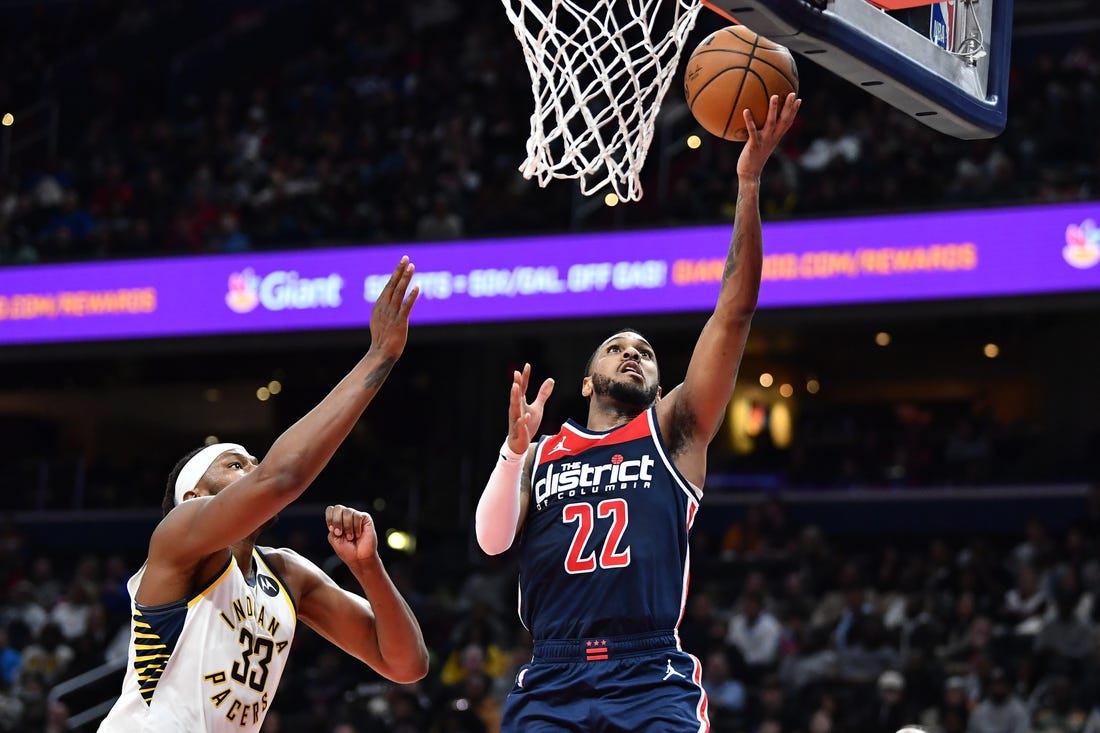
pixel 351 534
pixel 389 320
pixel 762 140
pixel 525 417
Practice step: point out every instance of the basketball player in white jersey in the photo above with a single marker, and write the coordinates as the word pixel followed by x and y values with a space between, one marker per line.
pixel 214 615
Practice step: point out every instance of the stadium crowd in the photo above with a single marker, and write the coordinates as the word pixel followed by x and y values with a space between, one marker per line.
pixel 287 124
pixel 796 632
pixel 203 126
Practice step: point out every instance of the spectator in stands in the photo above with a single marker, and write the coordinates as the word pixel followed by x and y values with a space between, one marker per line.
pixel 999 711
pixel 112 591
pixel 1056 710
pixel 45 585
pixel 976 640
pixel 477 647
pixel 231 238
pixel 755 633
pixel 1092 725
pixel 704 628
pixel 813 558
pixel 857 608
pixel 11 659
pixel 440 222
pixel 23 608
pixel 726 695
pixel 1065 635
pixel 778 532
pixel 868 653
pixel 952 710
pixel 1037 549
pixel 889 711
pixel 48 658
pixel 476 694
pixel 11 709
pixel 33 689
pixel 794 599
pixel 89 647
pixel 1026 603
pixel 771 706
pixel 1066 582
pixel 71 611
pixel 745 537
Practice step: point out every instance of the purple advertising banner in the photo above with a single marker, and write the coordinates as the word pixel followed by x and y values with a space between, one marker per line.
pixel 972 254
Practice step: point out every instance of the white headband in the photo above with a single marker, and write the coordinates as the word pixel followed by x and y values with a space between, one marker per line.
pixel 199 464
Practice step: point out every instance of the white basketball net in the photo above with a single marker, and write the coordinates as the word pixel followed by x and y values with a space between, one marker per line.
pixel 599 71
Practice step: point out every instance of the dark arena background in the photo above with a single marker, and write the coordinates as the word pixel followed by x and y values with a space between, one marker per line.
pixel 902 510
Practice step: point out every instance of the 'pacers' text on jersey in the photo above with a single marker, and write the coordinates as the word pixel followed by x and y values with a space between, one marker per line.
pixel 208 664
pixel 604 548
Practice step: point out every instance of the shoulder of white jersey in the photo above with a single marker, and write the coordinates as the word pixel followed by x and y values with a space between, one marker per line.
pixel 268 578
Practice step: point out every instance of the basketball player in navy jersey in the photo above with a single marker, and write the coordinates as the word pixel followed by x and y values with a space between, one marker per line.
pixel 602 511
pixel 214 615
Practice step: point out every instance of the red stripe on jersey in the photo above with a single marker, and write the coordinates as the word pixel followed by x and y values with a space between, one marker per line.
pixel 570 442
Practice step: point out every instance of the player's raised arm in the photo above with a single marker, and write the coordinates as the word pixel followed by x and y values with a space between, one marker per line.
pixel 695 409
pixel 210 519
pixel 503 503
pixel 379 630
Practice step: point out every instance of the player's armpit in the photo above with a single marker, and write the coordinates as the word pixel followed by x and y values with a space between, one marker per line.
pixel 694 411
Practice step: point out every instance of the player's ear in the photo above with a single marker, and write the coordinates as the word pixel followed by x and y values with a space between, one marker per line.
pixel 660 392
pixel 586 387
pixel 202 488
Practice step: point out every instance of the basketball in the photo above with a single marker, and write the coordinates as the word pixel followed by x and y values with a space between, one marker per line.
pixel 734 69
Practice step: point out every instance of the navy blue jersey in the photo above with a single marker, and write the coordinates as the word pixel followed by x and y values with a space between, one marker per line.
pixel 604 548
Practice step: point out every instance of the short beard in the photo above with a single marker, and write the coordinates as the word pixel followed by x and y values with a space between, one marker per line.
pixel 628 395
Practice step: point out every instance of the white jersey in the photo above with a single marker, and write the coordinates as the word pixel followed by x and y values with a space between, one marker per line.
pixel 207 664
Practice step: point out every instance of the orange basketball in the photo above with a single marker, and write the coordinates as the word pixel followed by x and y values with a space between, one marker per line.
pixel 734 69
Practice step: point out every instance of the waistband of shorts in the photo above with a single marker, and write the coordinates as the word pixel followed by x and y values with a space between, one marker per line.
pixel 602 648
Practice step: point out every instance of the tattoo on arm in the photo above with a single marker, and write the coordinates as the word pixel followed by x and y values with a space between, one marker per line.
pixel 379 374
pixel 735 244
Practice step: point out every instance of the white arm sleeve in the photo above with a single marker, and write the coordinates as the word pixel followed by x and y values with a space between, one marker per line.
pixel 498 509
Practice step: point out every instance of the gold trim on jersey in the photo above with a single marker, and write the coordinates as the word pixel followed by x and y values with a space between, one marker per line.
pixel 151 645
pixel 278 579
pixel 225 573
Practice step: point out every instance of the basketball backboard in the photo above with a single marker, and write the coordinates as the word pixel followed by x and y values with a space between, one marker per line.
pixel 953 77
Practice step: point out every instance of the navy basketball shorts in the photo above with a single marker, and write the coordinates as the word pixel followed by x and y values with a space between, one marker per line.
pixel 625 684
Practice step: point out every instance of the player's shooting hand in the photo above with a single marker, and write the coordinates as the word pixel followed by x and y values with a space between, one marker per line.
pixel 351 534
pixel 525 417
pixel 389 319
pixel 762 140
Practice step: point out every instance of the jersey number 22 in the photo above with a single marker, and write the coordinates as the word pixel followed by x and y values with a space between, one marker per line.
pixel 610 556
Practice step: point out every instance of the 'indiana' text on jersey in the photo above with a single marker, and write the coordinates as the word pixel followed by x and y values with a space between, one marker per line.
pixel 604 548
pixel 210 663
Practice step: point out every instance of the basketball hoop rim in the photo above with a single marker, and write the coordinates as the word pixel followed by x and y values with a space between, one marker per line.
pixel 718 11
